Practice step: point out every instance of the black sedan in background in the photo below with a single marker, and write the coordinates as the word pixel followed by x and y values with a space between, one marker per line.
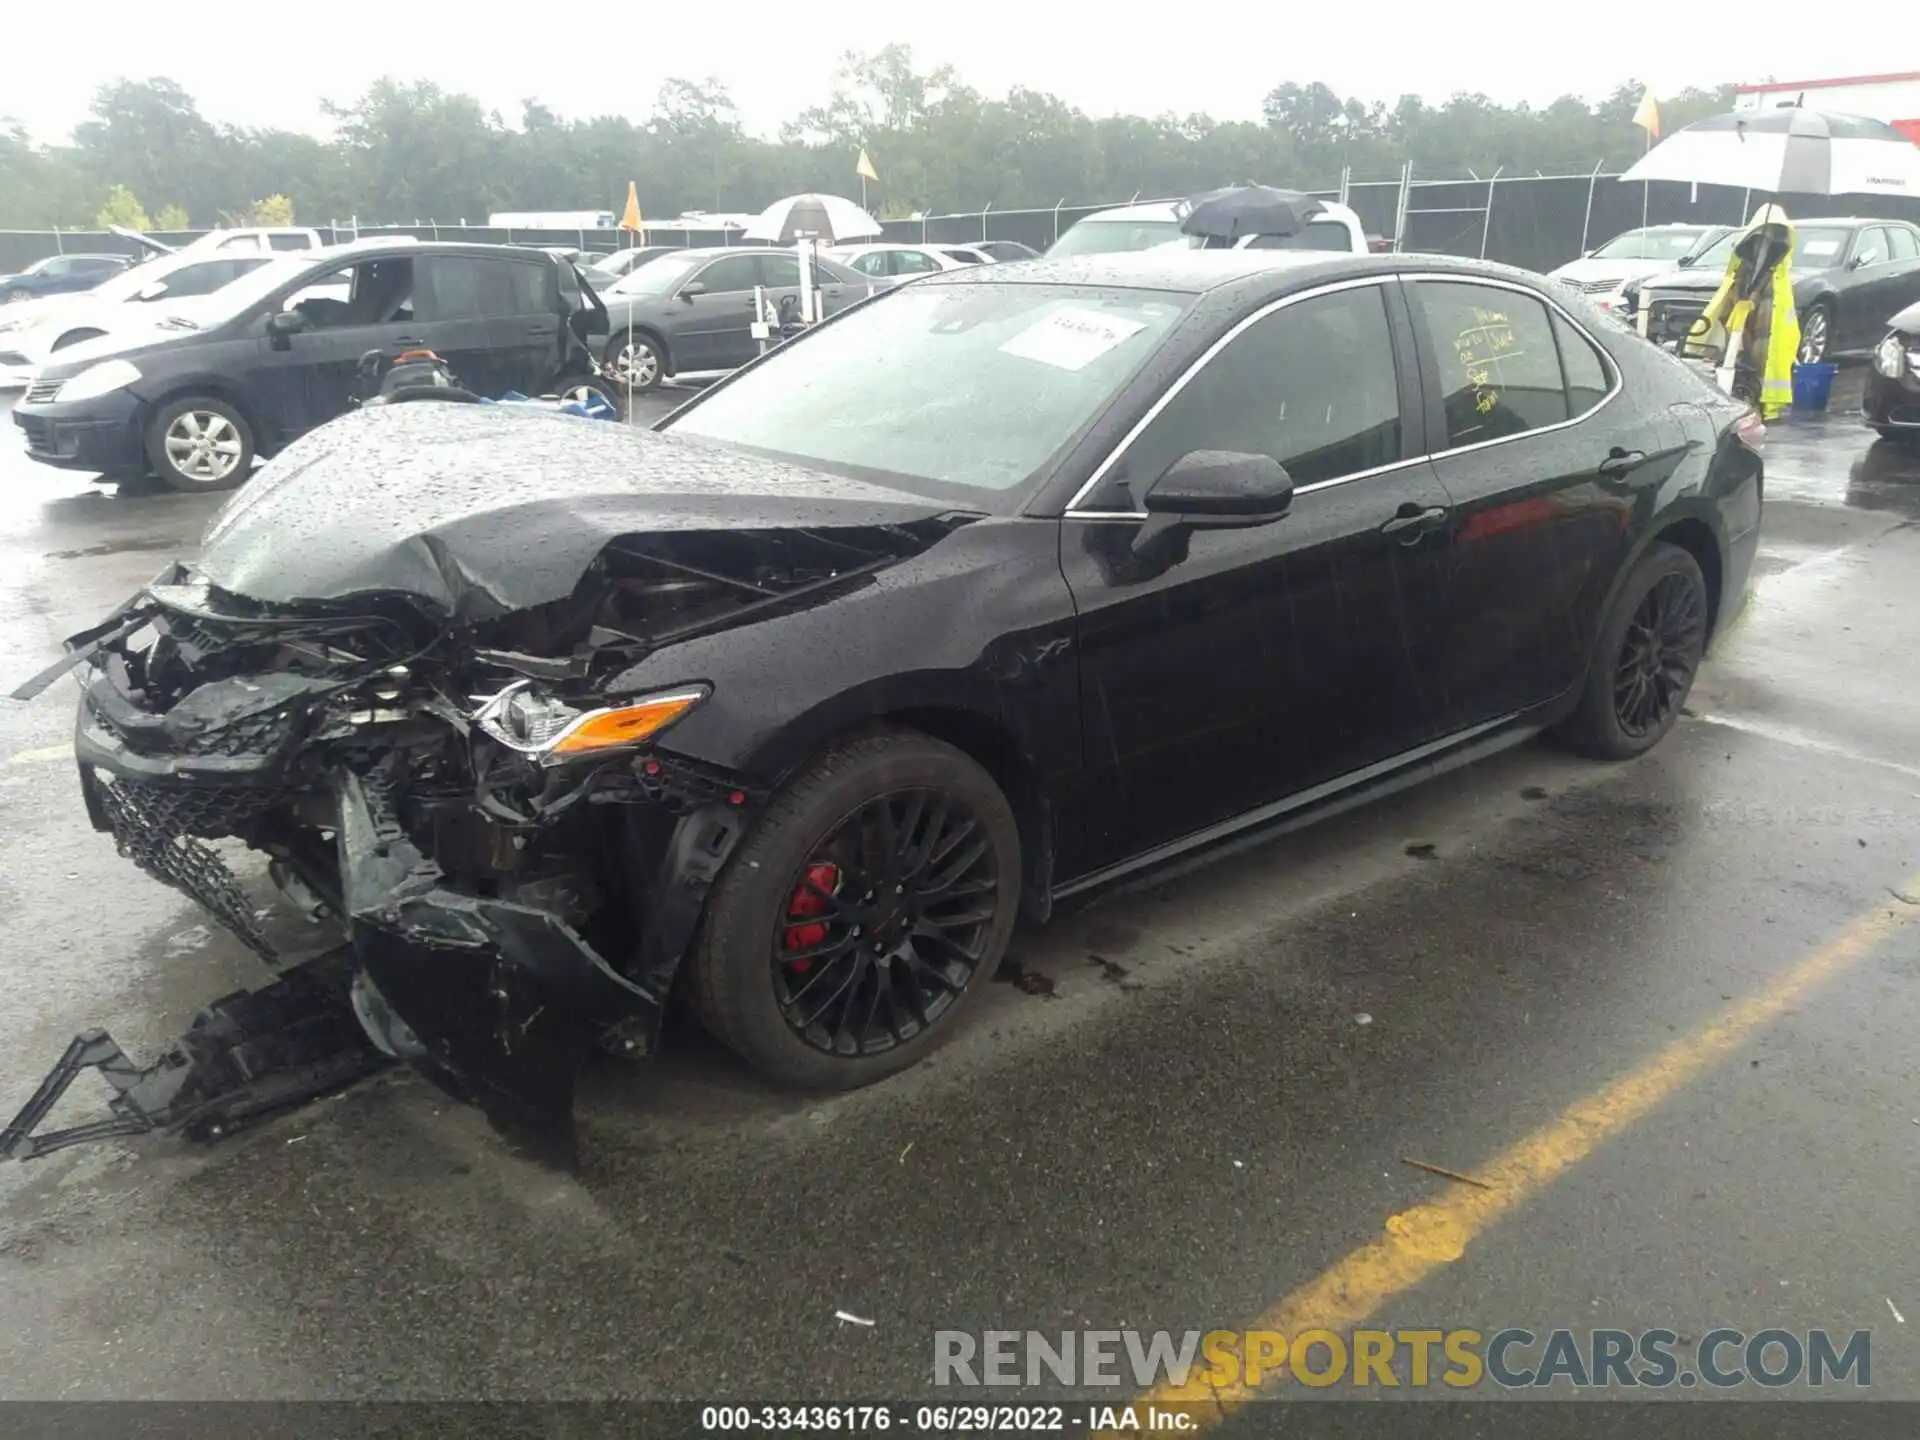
pixel 195 400
pixel 1848 276
pixel 60 275
pixel 1014 582
pixel 691 311
pixel 1891 402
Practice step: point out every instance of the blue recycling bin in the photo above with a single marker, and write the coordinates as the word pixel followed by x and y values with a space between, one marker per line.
pixel 1813 385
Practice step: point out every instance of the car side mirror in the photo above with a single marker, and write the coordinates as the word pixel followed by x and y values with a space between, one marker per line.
pixel 1215 490
pixel 286 322
pixel 693 288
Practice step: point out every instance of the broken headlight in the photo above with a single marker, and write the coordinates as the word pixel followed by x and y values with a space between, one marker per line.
pixel 538 723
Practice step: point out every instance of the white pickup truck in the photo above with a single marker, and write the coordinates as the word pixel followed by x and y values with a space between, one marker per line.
pixel 1150 227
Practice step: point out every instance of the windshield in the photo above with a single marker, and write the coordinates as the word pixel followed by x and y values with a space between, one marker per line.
pixel 237 296
pixel 1814 248
pixel 1111 237
pixel 896 391
pixel 1650 245
pixel 658 277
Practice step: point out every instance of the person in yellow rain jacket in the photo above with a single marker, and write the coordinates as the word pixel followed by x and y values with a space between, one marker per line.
pixel 1750 326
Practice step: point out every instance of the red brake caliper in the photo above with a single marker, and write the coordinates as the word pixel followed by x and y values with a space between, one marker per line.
pixel 806 903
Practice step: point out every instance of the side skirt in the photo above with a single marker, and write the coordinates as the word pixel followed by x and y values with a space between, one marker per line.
pixel 1308 807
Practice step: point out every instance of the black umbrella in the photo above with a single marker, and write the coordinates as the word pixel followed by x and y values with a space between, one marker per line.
pixel 1248 210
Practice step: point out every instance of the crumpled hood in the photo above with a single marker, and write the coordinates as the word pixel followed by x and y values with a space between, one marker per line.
pixel 477 510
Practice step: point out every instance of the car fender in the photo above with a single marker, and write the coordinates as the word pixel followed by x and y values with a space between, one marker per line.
pixel 1807 293
pixel 164 390
pixel 1688 510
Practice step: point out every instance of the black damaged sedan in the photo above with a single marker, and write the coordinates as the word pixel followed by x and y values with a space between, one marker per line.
pixel 992 591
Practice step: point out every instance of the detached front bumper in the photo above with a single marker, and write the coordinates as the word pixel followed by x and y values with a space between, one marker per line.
pixel 492 995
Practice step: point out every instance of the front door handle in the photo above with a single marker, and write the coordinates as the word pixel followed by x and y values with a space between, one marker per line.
pixel 1413 525
pixel 1622 462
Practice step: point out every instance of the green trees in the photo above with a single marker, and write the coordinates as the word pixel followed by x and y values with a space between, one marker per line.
pixel 408 150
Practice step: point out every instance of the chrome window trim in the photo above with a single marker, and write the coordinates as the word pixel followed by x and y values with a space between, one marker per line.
pixel 1411 276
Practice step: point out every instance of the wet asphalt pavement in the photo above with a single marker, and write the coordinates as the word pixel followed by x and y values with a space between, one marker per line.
pixel 1191 1124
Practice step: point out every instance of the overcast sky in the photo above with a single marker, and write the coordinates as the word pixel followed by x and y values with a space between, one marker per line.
pixel 254 63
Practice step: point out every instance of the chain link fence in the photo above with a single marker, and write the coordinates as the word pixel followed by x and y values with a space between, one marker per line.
pixel 1535 221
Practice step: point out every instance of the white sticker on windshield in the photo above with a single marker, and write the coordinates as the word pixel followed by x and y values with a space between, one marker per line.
pixel 1071 339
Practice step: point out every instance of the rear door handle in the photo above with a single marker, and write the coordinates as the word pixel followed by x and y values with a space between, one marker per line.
pixel 1411 525
pixel 1622 462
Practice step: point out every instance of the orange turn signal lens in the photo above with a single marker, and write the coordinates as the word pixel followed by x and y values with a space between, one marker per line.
pixel 625 724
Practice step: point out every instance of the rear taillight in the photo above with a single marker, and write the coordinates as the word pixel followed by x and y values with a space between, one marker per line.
pixel 1751 431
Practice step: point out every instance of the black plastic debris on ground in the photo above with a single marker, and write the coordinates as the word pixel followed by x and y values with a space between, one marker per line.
pixel 1027 982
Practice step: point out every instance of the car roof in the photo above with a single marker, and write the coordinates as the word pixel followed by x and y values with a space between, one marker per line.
pixel 1165 210
pixel 1255 275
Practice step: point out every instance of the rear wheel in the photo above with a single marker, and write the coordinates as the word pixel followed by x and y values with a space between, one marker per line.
pixel 1649 652
pixel 874 897
pixel 198 443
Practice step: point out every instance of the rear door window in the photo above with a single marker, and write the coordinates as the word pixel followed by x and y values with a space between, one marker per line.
pixel 1499 365
pixel 1902 243
pixel 1588 378
pixel 779 272
pixel 465 287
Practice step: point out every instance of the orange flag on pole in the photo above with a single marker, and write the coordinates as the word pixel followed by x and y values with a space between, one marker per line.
pixel 1647 117
pixel 630 220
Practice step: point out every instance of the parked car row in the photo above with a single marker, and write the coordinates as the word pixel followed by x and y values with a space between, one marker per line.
pixel 1849 274
pixel 248 368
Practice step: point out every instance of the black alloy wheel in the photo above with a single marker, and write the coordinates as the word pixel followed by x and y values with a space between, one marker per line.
pixel 887 923
pixel 1661 652
pixel 871 898
pixel 1646 657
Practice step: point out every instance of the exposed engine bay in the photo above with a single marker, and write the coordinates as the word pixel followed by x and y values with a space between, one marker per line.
pixel 478 806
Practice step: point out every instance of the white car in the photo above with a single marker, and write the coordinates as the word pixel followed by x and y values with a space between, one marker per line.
pixel 1157 226
pixel 129 302
pixel 900 262
pixel 1635 255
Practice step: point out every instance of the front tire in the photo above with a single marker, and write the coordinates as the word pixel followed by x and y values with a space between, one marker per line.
pixel 875 896
pixel 199 444
pixel 635 362
pixel 1644 665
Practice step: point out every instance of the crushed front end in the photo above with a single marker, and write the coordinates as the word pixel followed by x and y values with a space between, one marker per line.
pixel 514 867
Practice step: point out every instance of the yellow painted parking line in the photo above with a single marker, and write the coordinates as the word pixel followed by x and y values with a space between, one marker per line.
pixel 1417 1242
pixel 41 756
